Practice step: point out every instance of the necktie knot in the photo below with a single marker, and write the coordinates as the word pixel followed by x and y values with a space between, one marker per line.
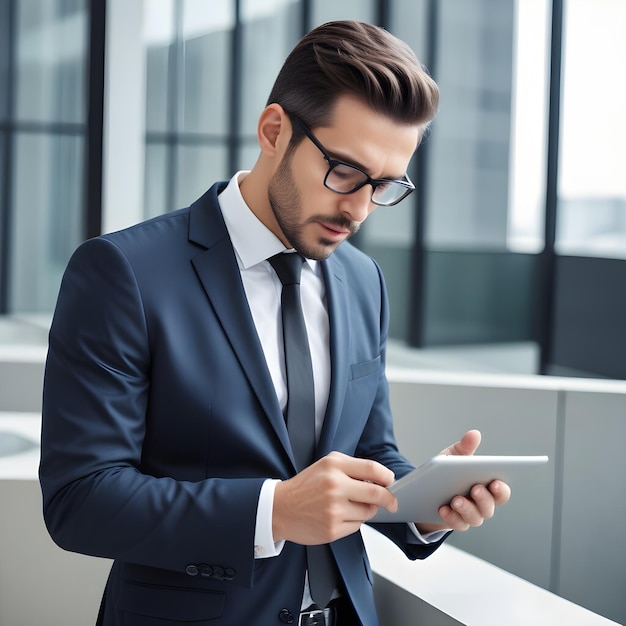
pixel 288 266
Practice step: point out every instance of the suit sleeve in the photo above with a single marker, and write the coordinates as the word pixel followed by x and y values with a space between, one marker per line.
pixel 97 500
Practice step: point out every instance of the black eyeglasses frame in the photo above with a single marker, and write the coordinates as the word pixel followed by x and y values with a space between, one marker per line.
pixel 367 179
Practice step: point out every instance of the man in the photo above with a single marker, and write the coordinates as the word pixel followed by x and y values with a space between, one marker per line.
pixel 165 445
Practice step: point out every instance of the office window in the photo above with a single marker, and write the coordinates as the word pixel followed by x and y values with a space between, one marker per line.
pixel 51 44
pixel 47 224
pixel 591 219
pixel 269 31
pixel 4 60
pixel 203 82
pixel 328 10
pixel 159 35
pixel 488 143
pixel 47 125
pixel 187 99
pixel 197 168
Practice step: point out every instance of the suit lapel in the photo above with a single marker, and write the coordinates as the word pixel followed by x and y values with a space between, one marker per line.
pixel 218 272
pixel 339 342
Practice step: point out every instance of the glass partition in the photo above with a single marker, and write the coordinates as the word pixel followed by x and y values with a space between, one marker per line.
pixel 46 130
pixel 50 58
pixel 269 30
pixel 486 177
pixel 47 221
pixel 591 217
pixel 328 10
pixel 188 95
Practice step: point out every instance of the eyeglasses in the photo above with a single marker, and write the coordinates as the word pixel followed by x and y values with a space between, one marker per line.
pixel 345 178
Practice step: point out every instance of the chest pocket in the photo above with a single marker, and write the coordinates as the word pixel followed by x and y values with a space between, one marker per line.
pixel 365 368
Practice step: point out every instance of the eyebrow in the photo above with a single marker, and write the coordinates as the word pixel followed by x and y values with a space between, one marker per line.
pixel 336 156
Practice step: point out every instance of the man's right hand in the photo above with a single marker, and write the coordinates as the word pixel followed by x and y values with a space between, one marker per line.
pixel 330 499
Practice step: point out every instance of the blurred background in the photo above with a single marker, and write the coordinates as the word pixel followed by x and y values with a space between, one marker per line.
pixel 506 268
pixel 513 247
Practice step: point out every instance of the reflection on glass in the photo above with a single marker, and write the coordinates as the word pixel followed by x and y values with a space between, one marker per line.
pixel 46 217
pixel 51 60
pixel 197 168
pixel 204 83
pixel 478 192
pixel 155 180
pixel 327 10
pixel 270 30
pixel 409 23
pixel 248 154
pixel 4 60
pixel 159 34
pixel 528 150
pixel 592 177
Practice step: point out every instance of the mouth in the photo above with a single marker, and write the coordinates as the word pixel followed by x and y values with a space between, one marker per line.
pixel 336 232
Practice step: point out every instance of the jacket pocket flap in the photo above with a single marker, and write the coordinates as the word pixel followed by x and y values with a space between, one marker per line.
pixel 173 603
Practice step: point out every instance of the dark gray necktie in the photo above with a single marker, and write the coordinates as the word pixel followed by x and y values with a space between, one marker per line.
pixel 300 411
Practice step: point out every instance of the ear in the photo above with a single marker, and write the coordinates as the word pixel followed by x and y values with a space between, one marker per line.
pixel 273 130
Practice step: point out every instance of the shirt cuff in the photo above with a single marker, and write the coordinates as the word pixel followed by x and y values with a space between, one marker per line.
pixel 264 546
pixel 414 536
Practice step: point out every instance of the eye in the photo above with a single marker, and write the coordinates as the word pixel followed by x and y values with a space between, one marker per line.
pixel 382 187
pixel 347 173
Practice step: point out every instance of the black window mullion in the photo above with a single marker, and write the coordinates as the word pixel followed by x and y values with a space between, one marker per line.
pixel 417 311
pixel 235 89
pixel 547 258
pixel 95 118
pixel 6 193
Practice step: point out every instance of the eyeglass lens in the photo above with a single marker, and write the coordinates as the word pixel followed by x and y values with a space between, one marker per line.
pixel 345 179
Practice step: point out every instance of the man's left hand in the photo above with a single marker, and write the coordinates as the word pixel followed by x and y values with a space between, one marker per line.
pixel 464 512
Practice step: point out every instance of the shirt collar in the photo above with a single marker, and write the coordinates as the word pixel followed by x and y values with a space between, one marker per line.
pixel 252 240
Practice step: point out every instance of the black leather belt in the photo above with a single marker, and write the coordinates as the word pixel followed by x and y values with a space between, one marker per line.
pixel 318 617
pixel 338 613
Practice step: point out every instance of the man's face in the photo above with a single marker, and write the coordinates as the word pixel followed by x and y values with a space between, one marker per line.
pixel 315 220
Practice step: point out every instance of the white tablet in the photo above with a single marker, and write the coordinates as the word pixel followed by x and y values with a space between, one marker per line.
pixel 434 483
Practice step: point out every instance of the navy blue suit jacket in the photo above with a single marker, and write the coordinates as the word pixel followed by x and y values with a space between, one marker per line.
pixel 160 423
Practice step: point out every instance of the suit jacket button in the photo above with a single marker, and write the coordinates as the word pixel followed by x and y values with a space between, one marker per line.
pixel 229 573
pixel 205 570
pixel 286 616
pixel 192 570
pixel 218 572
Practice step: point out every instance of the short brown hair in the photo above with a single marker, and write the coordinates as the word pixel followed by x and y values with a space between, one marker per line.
pixel 358 59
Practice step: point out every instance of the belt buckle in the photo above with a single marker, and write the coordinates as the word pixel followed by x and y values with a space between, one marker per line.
pixel 317 617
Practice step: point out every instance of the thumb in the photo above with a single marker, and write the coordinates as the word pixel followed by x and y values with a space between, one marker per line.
pixel 466 446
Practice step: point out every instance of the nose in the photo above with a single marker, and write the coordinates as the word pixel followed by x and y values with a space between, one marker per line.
pixel 358 205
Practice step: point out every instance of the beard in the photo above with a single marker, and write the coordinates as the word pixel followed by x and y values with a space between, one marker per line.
pixel 286 204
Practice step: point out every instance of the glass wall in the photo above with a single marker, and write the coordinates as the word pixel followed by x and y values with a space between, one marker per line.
pixel 201 114
pixel 466 257
pixel 44 64
pixel 592 177
pixel 273 28
pixel 187 113
pixel 588 320
pixel 484 178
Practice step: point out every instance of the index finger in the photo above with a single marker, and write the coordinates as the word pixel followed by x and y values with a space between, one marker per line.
pixel 366 470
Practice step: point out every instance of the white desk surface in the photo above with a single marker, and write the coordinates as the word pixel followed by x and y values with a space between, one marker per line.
pixel 472 591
